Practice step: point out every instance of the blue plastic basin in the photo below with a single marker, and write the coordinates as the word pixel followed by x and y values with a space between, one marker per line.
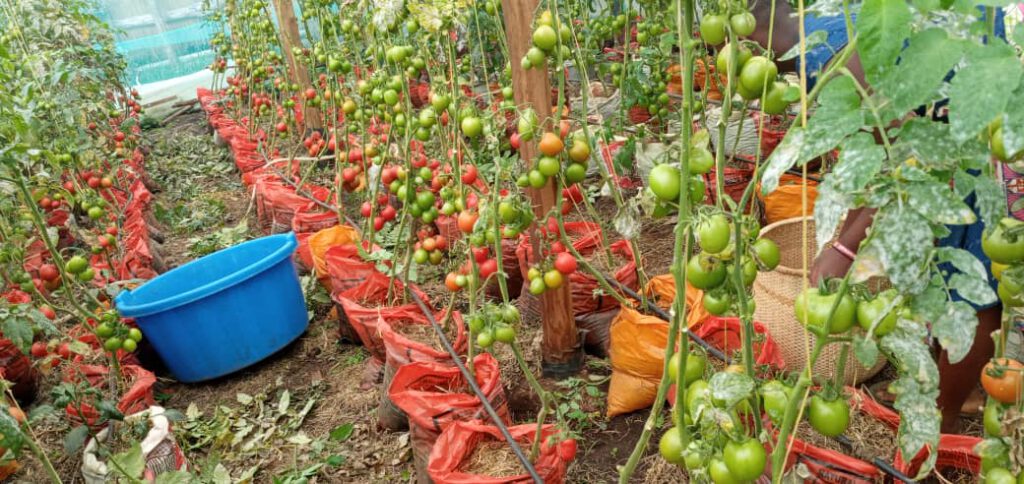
pixel 223 312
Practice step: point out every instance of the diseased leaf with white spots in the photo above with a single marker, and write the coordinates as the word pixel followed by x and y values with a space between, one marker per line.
pixel 971 279
pixel 990 201
pixel 838 116
pixel 730 388
pixel 919 418
pixel 923 65
pixel 830 206
pixel 882 27
pixel 955 329
pixel 866 350
pixel 1013 122
pixel 902 252
pixel 994 66
pixel 938 203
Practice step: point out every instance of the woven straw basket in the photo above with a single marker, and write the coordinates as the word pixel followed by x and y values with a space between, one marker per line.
pixel 775 292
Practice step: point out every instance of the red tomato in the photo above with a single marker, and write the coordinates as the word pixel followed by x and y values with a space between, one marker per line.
pixel 388 213
pixel 469 174
pixel 565 263
pixel 48 272
pixel 514 141
pixel 112 230
pixel 378 223
pixel 488 267
pixel 466 221
pixel 366 209
pixel 480 254
pixel 552 226
pixel 310 93
pixel 94 182
pixel 567 450
pixel 48 312
pixel 106 182
pixel 557 246
pixel 64 351
pixel 39 349
pixel 441 242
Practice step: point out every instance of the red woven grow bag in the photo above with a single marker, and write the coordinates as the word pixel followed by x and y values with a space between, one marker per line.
pixel 458 442
pixel 137 398
pixel 400 350
pixel 346 268
pixel 362 306
pixel 435 395
pixel 18 369
pixel 724 334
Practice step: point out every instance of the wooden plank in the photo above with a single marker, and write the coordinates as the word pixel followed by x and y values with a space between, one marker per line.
pixel 562 354
pixel 288 27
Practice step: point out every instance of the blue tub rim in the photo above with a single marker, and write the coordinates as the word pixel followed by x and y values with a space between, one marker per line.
pixel 213 287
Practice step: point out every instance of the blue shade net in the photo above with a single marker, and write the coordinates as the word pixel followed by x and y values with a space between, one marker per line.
pixel 160 39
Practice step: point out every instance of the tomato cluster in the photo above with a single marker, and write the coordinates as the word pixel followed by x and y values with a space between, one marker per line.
pixel 494 323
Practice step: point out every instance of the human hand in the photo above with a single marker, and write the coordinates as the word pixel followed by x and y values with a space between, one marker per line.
pixel 829 263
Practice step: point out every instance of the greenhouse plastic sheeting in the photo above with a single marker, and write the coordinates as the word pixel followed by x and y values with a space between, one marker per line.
pixel 160 39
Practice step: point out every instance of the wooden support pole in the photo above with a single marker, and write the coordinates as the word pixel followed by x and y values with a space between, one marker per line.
pixel 288 27
pixel 562 351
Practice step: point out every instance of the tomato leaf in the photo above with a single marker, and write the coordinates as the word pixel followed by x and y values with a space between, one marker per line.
pixel 341 433
pixel 882 27
pixel 919 417
pixel 929 141
pixel 906 345
pixel 730 388
pixel 955 329
pixel 838 116
pixel 971 280
pixel 866 350
pixel 939 203
pixel 990 200
pixel 903 252
pixel 19 331
pixel 75 439
pixel 130 462
pixel 10 430
pixel 923 65
pixel 994 66
pixel 814 39
pixel 174 477
pixel 1013 122
pixel 830 206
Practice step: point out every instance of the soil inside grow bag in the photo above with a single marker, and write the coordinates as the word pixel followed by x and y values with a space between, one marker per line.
pixel 424 333
pixel 494 459
pixel 954 475
pixel 870 438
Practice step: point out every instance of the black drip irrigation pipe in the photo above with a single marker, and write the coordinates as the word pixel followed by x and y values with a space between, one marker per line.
pixel 879 463
pixel 476 390
pixel 665 316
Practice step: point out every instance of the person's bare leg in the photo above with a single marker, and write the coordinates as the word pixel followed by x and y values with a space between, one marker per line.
pixel 956 382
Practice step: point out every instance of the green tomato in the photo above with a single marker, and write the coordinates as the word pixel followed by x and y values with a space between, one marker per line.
pixel 548 166
pixel 545 37
pixel 112 344
pixel 537 286
pixel 135 334
pixel 717 303
pixel 475 323
pixel 720 473
pixel 671 446
pixel 767 253
pixel 129 345
pixel 695 366
pixel 537 179
pixel 813 308
pixel 724 55
pixel 420 256
pixel 701 160
pixel 705 272
pixel 575 173
pixel 774 101
pixel 758 74
pixel 104 331
pixel 749 271
pixel 505 334
pixel 829 418
pixel 874 310
pixel 471 126
pixel 712 29
pixel 999 475
pixel 775 397
pixel 664 182
pixel 743 24
pixel 485 339
pixel 1002 247
pixel 713 233
pixel 746 460
pixel 993 418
